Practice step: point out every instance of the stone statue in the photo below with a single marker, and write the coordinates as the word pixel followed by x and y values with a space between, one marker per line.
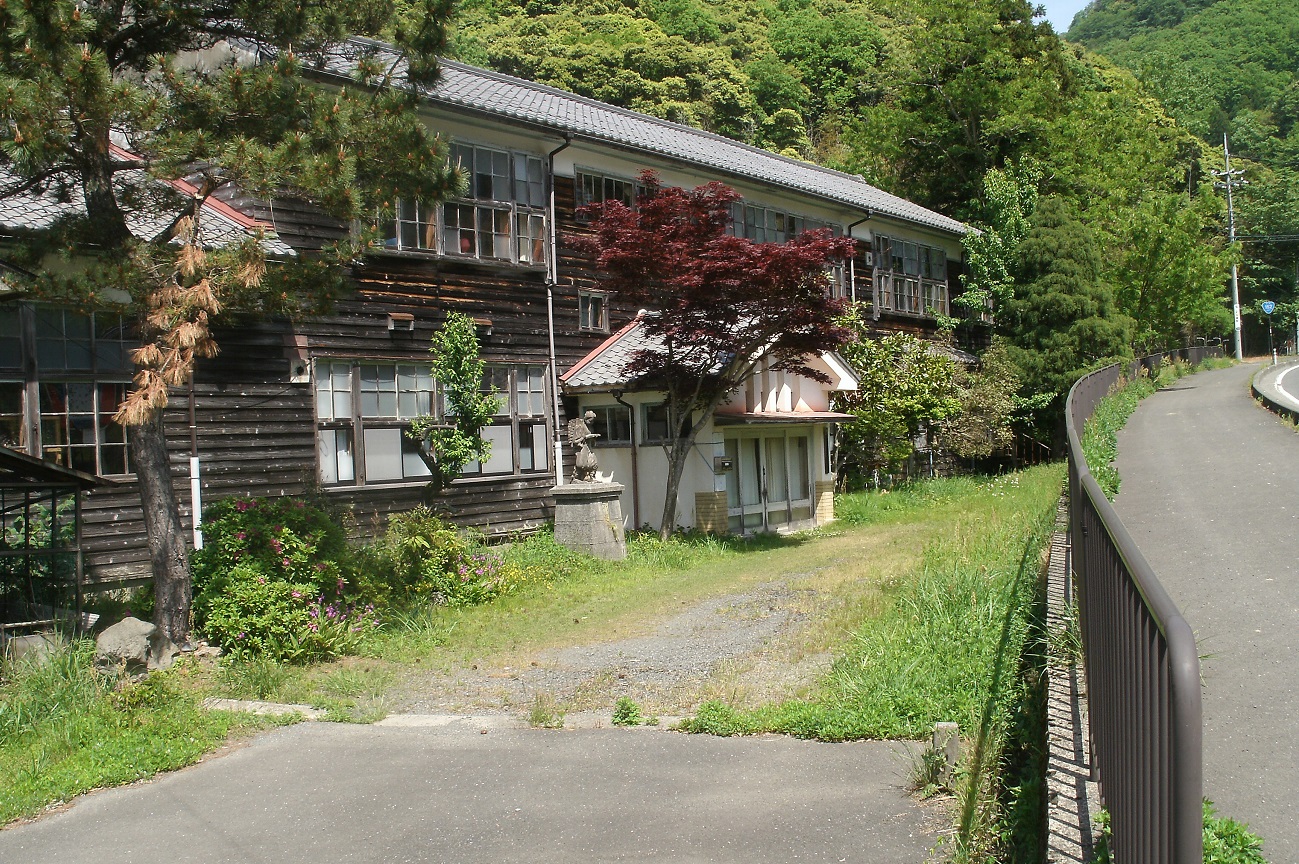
pixel 581 436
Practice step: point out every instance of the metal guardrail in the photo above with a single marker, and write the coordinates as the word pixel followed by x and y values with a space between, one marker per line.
pixel 1142 667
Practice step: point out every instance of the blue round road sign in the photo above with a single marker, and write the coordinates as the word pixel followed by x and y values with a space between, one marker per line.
pixel 1268 307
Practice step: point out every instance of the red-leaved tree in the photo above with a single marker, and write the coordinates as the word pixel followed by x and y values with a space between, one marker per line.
pixel 718 304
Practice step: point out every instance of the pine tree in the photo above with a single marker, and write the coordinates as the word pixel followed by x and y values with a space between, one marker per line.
pixel 106 101
pixel 1063 318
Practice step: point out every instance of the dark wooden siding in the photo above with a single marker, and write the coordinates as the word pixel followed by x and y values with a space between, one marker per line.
pixel 256 431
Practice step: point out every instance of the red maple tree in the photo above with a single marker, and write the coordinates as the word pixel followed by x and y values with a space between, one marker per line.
pixel 717 304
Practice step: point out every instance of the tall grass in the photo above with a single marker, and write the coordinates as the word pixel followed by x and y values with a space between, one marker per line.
pixel 66 729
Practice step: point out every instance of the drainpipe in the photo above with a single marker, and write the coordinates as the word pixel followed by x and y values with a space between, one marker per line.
pixel 552 278
pixel 852 262
pixel 195 486
pixel 635 450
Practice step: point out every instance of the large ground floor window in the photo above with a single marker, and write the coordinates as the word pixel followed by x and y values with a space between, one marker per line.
pixel 769 485
pixel 364 409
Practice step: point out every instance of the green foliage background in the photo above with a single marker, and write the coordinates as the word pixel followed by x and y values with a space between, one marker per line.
pixel 1229 67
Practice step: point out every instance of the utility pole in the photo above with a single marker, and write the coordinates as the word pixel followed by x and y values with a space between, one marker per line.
pixel 1231 179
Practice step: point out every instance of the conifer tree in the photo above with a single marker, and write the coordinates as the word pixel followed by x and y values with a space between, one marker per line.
pixel 107 103
pixel 1063 318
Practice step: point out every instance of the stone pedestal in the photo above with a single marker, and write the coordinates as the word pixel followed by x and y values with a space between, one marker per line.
pixel 588 518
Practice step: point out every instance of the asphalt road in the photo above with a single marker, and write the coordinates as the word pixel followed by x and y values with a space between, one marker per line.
pixel 321 792
pixel 1210 492
pixel 1281 383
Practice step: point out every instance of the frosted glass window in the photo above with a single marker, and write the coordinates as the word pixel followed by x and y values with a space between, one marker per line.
pixel 798 468
pixel 383 459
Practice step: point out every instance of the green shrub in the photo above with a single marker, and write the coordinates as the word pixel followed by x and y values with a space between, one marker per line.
pixel 272 580
pixel 410 560
pixel 626 712
pixel 422 560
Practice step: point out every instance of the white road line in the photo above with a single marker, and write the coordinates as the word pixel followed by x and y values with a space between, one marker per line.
pixel 1281 378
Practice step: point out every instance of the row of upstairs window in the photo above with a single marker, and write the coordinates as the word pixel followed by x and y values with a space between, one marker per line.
pixel 910 277
pixel 501 217
pixel 364 409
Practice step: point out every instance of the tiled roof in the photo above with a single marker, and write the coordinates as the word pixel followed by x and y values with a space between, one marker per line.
pixel 604 366
pixel 221 224
pixel 463 86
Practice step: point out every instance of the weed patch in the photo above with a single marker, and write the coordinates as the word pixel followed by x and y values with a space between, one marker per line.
pixel 66 729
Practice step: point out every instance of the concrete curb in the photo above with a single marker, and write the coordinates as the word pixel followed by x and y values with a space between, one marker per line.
pixel 1259 390
pixel 1072 798
pixel 270 709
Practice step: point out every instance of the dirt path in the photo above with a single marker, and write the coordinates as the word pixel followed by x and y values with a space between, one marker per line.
pixel 742 647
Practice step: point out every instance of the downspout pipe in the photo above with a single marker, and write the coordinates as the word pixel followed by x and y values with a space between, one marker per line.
pixel 852 262
pixel 552 279
pixel 635 450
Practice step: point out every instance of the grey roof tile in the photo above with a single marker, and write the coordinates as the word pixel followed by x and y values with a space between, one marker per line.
pixel 503 95
pixel 604 367
pixel 39 209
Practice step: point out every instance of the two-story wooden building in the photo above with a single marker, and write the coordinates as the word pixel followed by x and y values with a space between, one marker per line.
pixel 320 406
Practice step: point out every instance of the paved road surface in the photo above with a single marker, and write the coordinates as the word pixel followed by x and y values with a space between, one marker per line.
pixel 322 792
pixel 1281 382
pixel 1210 492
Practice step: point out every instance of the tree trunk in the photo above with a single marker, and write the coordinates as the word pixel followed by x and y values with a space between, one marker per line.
pixel 677 458
pixel 167 552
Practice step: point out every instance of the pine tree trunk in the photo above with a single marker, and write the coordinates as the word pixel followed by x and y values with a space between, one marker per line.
pixel 167 552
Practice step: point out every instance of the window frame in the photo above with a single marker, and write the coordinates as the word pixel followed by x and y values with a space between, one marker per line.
pixel 584 300
pixel 601 425
pixel 475 233
pixel 530 430
pixel 357 423
pixel 647 423
pixel 923 293
pixel 34 388
pixel 582 199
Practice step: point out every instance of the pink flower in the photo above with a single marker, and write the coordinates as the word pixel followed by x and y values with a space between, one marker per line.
pixel 296 595
pixel 242 505
pixel 241 536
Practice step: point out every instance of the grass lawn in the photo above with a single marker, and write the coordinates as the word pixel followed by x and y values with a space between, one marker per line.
pixel 65 729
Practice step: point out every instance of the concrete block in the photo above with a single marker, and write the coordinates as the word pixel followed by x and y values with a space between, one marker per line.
pixel 947 740
pixel 588 518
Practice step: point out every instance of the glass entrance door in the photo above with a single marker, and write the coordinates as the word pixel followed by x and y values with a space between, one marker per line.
pixel 768 486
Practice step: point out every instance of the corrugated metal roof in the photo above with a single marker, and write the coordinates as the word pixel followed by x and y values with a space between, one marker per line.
pixel 493 93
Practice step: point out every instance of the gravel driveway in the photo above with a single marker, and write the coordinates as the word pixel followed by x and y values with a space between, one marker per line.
pixel 735 646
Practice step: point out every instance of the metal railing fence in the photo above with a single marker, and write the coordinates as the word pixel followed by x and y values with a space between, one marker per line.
pixel 1140 659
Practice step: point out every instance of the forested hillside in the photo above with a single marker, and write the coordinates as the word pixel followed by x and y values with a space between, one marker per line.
pixel 1227 67
pixel 971 108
